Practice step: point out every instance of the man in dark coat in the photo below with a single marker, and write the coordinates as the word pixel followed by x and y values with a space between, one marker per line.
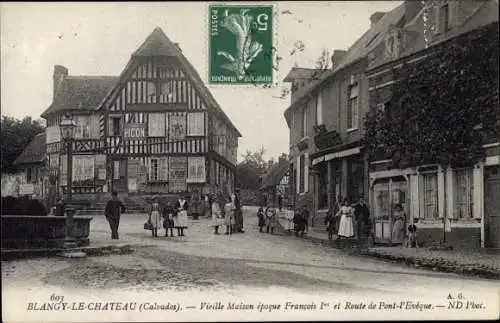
pixel 362 216
pixel 113 210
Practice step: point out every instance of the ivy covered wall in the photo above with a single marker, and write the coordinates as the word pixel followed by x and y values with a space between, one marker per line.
pixel 443 108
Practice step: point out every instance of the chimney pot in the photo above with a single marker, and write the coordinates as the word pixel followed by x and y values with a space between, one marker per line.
pixel 178 47
pixel 375 17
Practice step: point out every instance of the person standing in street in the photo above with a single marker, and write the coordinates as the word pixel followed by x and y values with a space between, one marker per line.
pixel 280 202
pixel 208 206
pixel 238 214
pixel 218 211
pixel 362 216
pixel 112 212
pixel 229 217
pixel 168 219
pixel 346 227
pixel 180 220
pixel 155 217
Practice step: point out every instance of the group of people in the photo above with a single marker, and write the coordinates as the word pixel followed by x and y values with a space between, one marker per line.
pixel 225 211
pixel 349 220
pixel 170 216
pixel 295 221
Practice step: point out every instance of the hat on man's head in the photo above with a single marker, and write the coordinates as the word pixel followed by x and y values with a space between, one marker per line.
pixel 155 197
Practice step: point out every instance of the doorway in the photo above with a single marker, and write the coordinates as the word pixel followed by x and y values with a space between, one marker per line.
pixel 119 175
pixel 388 195
pixel 492 207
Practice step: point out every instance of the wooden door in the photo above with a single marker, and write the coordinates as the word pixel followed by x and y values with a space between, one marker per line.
pixel 120 175
pixel 492 206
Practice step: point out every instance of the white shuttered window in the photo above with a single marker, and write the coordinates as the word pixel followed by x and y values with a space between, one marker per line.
pixel 156 125
pixel 196 124
pixel 196 170
pixel 158 169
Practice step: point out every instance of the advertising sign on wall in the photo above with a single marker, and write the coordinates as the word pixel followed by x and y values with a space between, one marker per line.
pixel 177 174
pixel 134 130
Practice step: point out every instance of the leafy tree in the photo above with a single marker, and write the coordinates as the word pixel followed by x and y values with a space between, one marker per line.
pixel 15 136
pixel 443 107
pixel 248 171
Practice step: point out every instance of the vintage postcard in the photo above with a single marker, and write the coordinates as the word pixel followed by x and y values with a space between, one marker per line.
pixel 245 161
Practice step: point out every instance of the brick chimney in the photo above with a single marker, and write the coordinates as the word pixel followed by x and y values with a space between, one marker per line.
pixel 337 56
pixel 374 18
pixel 60 72
pixel 178 47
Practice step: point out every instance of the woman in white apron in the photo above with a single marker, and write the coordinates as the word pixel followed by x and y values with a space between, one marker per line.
pixel 155 217
pixel 217 212
pixel 180 220
pixel 346 227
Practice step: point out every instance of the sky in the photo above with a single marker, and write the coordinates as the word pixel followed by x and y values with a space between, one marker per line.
pixel 98 39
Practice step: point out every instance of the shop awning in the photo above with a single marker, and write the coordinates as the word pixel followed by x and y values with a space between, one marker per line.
pixel 337 154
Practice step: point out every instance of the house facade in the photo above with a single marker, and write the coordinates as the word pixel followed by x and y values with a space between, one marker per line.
pixel 326 121
pixel 156 128
pixel 456 205
pixel 32 179
pixel 276 181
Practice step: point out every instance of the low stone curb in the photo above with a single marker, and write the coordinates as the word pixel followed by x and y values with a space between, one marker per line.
pixel 437 264
pixel 68 253
pixel 434 263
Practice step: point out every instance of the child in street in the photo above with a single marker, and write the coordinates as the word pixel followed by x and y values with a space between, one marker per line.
pixel 262 219
pixel 271 219
pixel 168 219
pixel 300 223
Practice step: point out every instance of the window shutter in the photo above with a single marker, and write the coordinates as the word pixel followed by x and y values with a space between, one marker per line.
pixel 414 196
pixel 306 172
pixel 450 194
pixel 440 192
pixel 297 169
pixel 156 125
pixel 110 127
pixel 150 168
pixel 163 169
pixel 477 184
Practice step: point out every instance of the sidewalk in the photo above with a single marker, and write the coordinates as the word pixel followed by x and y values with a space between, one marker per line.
pixel 474 262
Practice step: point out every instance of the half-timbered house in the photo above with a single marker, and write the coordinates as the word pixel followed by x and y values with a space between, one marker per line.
pixel 154 129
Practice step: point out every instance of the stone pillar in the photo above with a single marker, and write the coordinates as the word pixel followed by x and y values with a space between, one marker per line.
pixel 329 188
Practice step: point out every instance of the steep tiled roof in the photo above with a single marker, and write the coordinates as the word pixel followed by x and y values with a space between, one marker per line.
pixel 34 152
pixel 301 73
pixel 483 13
pixel 275 174
pixel 158 44
pixel 81 93
pixel 359 50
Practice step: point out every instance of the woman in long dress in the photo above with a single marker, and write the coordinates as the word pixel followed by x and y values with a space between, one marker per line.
pixel 217 212
pixel 229 216
pixel 180 220
pixel 155 217
pixel 346 226
pixel 398 228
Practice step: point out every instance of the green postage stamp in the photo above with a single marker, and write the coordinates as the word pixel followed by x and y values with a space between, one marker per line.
pixel 241 44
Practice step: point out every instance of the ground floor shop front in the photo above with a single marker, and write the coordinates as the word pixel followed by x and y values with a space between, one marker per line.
pixel 145 174
pixel 459 207
pixel 337 176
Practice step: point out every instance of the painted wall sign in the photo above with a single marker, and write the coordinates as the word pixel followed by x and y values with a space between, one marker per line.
pixel 134 130
pixel 177 173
